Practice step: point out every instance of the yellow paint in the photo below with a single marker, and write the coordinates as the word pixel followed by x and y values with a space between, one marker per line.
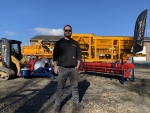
pixel 17 63
pixel 1 64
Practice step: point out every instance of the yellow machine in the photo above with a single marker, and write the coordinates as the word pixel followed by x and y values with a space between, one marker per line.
pixel 11 59
pixel 104 48
pixel 94 48
pixel 42 49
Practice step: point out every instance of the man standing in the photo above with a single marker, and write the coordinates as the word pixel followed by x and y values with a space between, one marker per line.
pixel 67 57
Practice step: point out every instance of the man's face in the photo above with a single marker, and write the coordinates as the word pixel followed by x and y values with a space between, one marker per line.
pixel 67 31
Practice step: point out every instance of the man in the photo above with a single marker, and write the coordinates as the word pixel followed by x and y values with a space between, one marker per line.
pixel 67 57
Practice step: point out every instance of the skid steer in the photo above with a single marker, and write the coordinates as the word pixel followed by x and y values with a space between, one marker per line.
pixel 10 59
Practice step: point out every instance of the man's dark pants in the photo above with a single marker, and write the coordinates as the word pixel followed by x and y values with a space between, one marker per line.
pixel 62 77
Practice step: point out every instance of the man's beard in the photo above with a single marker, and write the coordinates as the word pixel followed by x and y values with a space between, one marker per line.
pixel 68 36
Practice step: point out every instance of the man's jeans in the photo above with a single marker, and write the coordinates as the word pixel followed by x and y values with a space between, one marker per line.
pixel 62 77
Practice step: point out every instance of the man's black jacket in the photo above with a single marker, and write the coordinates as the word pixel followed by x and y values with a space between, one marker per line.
pixel 67 52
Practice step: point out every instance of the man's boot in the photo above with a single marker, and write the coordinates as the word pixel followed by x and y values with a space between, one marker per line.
pixel 57 109
pixel 76 107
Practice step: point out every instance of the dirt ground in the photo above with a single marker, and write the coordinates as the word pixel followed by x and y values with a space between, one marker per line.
pixel 98 93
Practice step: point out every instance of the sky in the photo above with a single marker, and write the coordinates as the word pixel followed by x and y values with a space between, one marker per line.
pixel 24 19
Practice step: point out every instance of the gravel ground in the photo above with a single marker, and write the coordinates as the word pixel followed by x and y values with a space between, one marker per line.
pixel 98 93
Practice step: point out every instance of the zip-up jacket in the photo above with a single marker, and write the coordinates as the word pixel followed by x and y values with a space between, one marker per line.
pixel 67 52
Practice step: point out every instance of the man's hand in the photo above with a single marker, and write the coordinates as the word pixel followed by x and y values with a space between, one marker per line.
pixel 77 67
pixel 56 69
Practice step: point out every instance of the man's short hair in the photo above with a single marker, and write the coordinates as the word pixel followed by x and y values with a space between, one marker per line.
pixel 68 26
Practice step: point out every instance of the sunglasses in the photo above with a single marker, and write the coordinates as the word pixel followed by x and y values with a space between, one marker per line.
pixel 67 30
